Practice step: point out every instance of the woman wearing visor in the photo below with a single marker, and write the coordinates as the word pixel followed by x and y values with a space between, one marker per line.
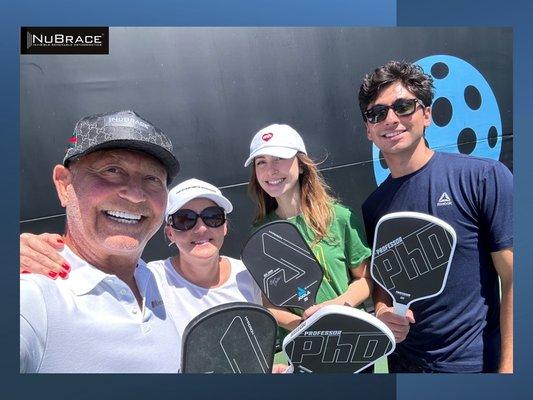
pixel 195 279
pixel 285 184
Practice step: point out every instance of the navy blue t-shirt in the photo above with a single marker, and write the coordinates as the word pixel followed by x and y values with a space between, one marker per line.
pixel 458 330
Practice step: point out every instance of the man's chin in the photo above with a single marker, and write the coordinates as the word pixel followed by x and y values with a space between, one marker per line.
pixel 125 244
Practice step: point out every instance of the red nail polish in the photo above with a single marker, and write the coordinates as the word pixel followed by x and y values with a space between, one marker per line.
pixel 60 241
pixel 52 274
pixel 25 272
pixel 66 267
pixel 63 274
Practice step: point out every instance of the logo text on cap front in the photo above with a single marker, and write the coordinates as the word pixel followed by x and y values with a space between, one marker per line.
pixel 267 136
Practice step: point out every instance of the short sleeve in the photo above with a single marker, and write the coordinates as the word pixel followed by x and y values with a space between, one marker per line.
pixel 356 248
pixel 369 224
pixel 258 298
pixel 32 326
pixel 496 206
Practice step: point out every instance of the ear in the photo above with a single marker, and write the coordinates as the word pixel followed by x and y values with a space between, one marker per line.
pixel 427 116
pixel 62 178
pixel 225 228
pixel 168 232
pixel 368 135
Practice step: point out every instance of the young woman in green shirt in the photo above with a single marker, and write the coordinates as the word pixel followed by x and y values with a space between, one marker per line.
pixel 286 184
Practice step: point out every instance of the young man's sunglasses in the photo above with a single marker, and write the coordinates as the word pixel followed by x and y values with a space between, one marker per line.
pixel 186 219
pixel 401 107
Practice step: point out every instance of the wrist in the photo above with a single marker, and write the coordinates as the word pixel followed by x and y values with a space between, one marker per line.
pixel 379 309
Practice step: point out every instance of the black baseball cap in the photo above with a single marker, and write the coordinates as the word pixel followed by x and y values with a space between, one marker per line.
pixel 121 130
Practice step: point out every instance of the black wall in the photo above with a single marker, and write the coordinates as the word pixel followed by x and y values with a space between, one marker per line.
pixel 211 89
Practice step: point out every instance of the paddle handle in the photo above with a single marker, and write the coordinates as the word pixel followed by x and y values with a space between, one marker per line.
pixel 400 309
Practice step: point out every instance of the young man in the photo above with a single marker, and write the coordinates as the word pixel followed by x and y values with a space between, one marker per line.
pixel 466 328
pixel 109 315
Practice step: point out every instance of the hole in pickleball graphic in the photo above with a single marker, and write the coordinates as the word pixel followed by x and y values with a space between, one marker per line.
pixel 441 111
pixel 439 70
pixel 466 141
pixel 382 161
pixel 493 136
pixel 472 97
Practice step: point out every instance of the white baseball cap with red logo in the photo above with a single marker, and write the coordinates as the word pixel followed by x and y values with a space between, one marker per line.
pixel 276 140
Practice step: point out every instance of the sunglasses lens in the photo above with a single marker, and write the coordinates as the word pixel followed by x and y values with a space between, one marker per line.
pixel 183 220
pixel 376 114
pixel 404 107
pixel 213 216
pixel 401 108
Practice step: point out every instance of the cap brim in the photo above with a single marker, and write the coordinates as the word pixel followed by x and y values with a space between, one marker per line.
pixel 164 156
pixel 281 152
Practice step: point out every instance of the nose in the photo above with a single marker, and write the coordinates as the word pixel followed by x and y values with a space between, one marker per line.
pixel 391 117
pixel 200 226
pixel 273 168
pixel 133 191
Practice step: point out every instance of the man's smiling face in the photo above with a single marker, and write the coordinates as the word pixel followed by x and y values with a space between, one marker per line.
pixel 114 199
pixel 398 134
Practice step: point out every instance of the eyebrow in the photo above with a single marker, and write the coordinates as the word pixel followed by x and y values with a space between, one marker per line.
pixel 112 156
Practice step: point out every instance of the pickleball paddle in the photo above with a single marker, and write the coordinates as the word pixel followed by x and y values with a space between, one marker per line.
pixel 411 256
pixel 230 338
pixel 337 339
pixel 282 264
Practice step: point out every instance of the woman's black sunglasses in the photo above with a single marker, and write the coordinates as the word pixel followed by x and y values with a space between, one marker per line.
pixel 401 107
pixel 185 219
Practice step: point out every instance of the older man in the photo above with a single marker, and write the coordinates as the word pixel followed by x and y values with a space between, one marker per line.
pixel 109 315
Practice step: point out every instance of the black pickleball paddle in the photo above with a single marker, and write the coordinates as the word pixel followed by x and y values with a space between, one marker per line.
pixel 282 264
pixel 411 256
pixel 337 339
pixel 229 338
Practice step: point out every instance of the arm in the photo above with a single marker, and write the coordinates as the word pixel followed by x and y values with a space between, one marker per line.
pixel 39 254
pixel 358 290
pixel 360 287
pixel 385 312
pixel 284 317
pixel 503 262
pixel 33 327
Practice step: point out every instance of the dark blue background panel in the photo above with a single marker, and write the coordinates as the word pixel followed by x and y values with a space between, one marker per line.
pixel 211 89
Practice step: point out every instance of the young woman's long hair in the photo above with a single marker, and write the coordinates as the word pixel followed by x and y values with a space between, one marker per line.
pixel 315 198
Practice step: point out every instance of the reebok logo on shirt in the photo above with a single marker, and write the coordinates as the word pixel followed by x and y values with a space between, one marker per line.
pixel 444 200
pixel 156 303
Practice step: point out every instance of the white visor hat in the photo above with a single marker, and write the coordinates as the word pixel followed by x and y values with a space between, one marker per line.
pixel 192 189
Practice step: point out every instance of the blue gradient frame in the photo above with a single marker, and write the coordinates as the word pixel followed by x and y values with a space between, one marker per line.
pixel 264 13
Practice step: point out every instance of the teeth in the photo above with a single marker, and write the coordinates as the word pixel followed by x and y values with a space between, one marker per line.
pixel 200 241
pixel 392 134
pixel 276 182
pixel 124 217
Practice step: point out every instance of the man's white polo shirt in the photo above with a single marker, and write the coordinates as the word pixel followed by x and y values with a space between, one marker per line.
pixel 91 322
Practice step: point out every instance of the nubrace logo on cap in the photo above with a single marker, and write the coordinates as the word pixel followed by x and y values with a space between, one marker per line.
pixel 195 187
pixel 267 136
pixel 125 121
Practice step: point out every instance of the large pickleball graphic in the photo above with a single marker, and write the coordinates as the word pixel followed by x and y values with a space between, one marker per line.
pixel 466 117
